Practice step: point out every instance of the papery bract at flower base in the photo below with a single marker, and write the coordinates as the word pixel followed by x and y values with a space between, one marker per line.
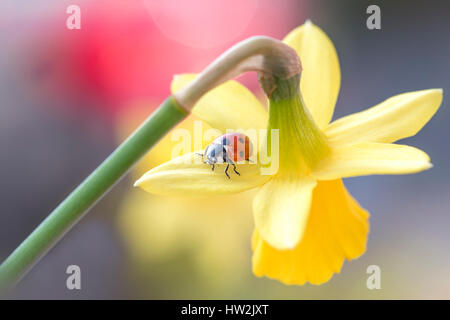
pixel 307 223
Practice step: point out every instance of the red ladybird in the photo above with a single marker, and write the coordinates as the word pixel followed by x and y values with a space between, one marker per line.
pixel 228 148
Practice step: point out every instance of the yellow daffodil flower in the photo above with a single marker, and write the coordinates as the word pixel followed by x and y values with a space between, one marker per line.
pixel 306 222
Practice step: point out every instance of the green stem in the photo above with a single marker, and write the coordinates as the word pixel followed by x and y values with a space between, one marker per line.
pixel 73 208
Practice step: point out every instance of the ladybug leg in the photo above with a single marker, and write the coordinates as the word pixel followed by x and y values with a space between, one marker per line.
pixel 212 168
pixel 226 171
pixel 201 155
pixel 229 161
pixel 248 160
pixel 225 158
pixel 234 168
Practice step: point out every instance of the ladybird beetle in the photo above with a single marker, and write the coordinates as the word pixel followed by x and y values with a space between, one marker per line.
pixel 228 148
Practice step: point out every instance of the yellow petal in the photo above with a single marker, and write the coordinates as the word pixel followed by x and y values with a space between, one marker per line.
pixel 281 210
pixel 368 158
pixel 188 175
pixel 321 75
pixel 337 229
pixel 395 118
pixel 229 106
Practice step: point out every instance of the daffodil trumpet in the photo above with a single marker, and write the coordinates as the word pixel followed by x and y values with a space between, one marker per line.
pixel 265 55
pixel 306 222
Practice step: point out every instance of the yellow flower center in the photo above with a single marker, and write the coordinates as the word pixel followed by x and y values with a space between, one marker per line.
pixel 301 143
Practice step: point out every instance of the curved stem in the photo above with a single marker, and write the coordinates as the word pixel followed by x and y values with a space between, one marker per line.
pixel 90 191
pixel 268 56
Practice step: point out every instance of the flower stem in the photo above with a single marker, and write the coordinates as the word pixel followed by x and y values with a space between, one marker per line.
pixel 72 209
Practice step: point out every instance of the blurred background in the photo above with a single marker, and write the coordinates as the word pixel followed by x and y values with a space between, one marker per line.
pixel 69 97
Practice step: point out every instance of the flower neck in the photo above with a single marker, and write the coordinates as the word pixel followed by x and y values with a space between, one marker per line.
pixel 301 143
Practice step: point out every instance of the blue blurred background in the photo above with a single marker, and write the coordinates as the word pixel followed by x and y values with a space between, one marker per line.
pixel 69 97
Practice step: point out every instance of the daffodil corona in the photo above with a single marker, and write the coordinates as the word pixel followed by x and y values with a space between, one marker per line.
pixel 306 222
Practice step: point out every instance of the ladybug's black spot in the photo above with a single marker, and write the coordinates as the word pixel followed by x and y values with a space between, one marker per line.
pixel 225 141
pixel 241 140
pixel 241 154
